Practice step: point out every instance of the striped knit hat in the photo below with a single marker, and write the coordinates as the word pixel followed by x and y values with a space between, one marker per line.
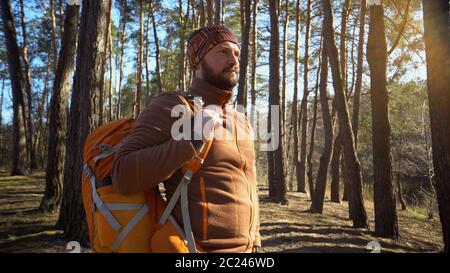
pixel 203 40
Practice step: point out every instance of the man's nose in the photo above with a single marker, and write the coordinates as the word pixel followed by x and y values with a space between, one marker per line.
pixel 233 60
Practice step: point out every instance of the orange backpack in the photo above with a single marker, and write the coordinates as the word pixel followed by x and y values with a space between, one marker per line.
pixel 139 222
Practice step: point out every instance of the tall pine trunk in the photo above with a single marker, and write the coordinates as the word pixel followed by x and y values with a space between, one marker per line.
pixel 334 166
pixel 18 152
pixel 243 65
pixel 84 111
pixel 437 48
pixel 304 111
pixel 351 159
pixel 57 115
pixel 157 52
pixel 137 99
pixel 27 77
pixel 274 99
pixel 254 59
pixel 359 71
pixel 123 37
pixel 300 187
pixel 321 180
pixel 386 223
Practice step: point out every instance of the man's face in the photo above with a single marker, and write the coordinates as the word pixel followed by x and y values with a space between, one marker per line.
pixel 220 66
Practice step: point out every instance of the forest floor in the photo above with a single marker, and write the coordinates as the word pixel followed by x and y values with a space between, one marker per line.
pixel 283 228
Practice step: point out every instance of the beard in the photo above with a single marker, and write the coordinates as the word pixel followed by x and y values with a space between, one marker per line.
pixel 222 80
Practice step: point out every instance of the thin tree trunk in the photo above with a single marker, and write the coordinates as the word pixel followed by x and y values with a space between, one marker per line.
pixel 242 87
pixel 209 13
pixel 254 59
pixel 110 57
pixel 284 74
pixel 54 46
pixel 311 142
pixel 18 153
pixel 304 114
pixel 300 186
pixel 146 48
pixel 218 12
pixel 437 48
pixel 40 135
pixel 182 32
pixel 29 109
pixel 322 173
pixel 335 174
pixel 57 118
pixel 351 159
pixel 359 72
pixel 342 46
pixel 157 52
pixel 84 111
pixel 274 99
pixel 137 101
pixel 122 49
pixel 202 14
pixel 313 130
pixel 386 223
pixel 399 174
pixel 61 18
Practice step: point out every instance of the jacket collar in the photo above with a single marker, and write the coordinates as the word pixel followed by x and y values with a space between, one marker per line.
pixel 209 93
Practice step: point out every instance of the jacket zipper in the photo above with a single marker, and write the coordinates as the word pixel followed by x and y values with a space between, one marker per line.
pixel 242 168
pixel 204 207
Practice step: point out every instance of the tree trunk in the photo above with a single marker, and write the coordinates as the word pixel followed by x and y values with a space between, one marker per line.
pixel 242 87
pixel 254 59
pixel 18 153
pixel 202 14
pixel 351 159
pixel 209 12
pixel 61 18
pixel 146 48
pixel 137 101
pixel 110 58
pixel 53 34
pixel 84 111
pixel 218 11
pixel 40 135
pixel 313 130
pixel 304 111
pixel 342 46
pixel 321 181
pixel 300 186
pixel 334 165
pixel 157 52
pixel 122 49
pixel 437 48
pixel 399 174
pixel 57 118
pixel 311 142
pixel 29 98
pixel 386 223
pixel 274 99
pixel 284 75
pixel 359 72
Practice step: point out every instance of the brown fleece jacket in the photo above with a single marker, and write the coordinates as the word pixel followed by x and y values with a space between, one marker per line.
pixel 223 198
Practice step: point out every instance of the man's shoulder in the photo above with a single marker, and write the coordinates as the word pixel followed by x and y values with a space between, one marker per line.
pixel 168 99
